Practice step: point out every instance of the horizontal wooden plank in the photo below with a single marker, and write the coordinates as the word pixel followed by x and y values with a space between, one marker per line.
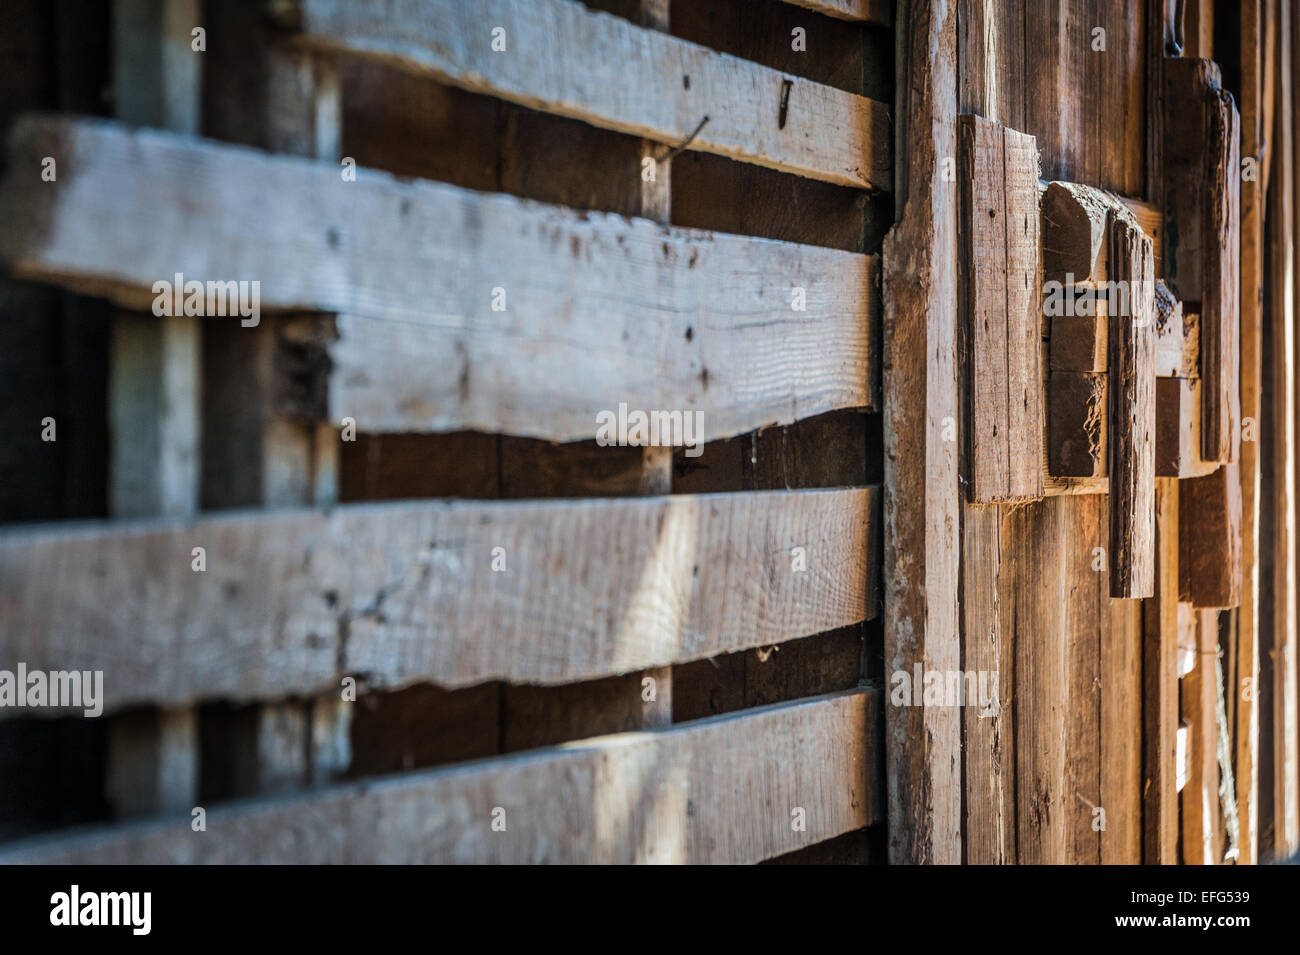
pixel 563 58
pixel 396 593
pixel 595 310
pixel 870 11
pixel 728 789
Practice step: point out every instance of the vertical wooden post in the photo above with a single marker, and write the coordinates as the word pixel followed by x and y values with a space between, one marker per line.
pixel 921 514
pixel 1160 687
pixel 1255 50
pixel 1131 343
pixel 259 449
pixel 657 464
pixel 1199 690
pixel 154 396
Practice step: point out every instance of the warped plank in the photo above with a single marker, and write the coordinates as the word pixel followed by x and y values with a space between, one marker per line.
pixel 719 790
pixel 292 600
pixel 563 58
pixel 598 309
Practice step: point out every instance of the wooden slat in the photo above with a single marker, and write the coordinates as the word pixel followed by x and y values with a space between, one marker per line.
pixel 656 203
pixel 1279 825
pixel 871 11
pixel 405 592
pixel 1132 404
pixel 1034 562
pixel 922 518
pixel 1121 722
pixel 1084 626
pixel 1160 688
pixel 1202 139
pixel 1243 711
pixel 1000 255
pixel 659 318
pixel 988 737
pixel 154 398
pixel 1202 840
pixel 1220 306
pixel 1209 540
pixel 563 58
pixel 719 790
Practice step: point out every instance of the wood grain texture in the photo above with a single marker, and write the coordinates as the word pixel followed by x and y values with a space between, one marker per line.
pixel 1209 539
pixel 719 790
pixel 398 593
pixel 1132 403
pixel 1035 556
pixel 1178 337
pixel 1220 306
pixel 1085 626
pixel 1073 232
pixel 1160 688
pixel 563 58
pixel 1000 252
pixel 1280 732
pixel 1178 429
pixel 922 513
pixel 420 346
pixel 988 738
pixel 1077 430
pixel 1120 721
pixel 1199 699
pixel 1243 712
pixel 1202 156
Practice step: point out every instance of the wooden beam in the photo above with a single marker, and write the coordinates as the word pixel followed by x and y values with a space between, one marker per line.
pixel 1178 429
pixel 1209 559
pixel 1073 220
pixel 657 462
pixel 293 600
pixel 1202 202
pixel 1077 433
pixel 1202 839
pixel 879 12
pixel 154 393
pixel 1121 724
pixel 1178 337
pixel 722 790
pixel 1243 711
pixel 989 768
pixel 1160 689
pixel 554 55
pixel 1074 232
pixel 1280 808
pixel 922 518
pixel 1132 404
pixel 1034 564
pixel 1000 251
pixel 721 314
pixel 1220 306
